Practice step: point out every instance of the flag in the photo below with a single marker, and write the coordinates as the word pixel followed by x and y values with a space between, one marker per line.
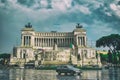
pixel 72 46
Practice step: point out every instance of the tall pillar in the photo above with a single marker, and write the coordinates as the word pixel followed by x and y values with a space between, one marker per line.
pixel 22 39
pixel 58 43
pixel 62 42
pixel 32 41
pixel 85 41
pixel 49 42
pixel 81 41
pixel 67 41
pixel 76 40
pixel 39 42
pixel 42 41
pixel 27 40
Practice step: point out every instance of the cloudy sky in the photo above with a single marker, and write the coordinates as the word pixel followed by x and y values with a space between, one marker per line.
pixel 98 17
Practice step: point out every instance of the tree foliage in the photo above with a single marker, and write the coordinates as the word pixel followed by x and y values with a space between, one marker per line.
pixel 4 56
pixel 111 41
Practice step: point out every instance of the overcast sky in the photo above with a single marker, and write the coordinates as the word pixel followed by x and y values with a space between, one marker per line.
pixel 98 17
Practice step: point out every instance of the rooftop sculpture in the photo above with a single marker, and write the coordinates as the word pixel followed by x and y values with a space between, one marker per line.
pixel 28 25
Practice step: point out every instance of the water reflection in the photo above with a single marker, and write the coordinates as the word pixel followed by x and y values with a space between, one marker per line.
pixel 31 74
pixel 114 73
pixel 4 74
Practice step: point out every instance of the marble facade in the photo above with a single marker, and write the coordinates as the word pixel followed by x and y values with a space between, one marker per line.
pixel 53 47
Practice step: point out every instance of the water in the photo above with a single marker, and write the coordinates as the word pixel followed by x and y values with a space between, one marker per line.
pixel 32 74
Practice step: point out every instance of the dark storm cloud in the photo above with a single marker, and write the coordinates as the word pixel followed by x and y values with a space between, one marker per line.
pixel 3 1
pixel 113 20
pixel 44 17
pixel 100 13
pixel 27 3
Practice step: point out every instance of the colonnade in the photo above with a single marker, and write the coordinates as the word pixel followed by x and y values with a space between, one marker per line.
pixel 82 41
pixel 49 42
pixel 26 40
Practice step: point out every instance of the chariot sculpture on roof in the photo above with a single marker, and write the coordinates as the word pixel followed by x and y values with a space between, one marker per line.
pixel 28 25
pixel 79 26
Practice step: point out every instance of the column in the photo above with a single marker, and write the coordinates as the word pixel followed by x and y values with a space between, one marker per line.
pixel 50 41
pixel 63 43
pixel 32 41
pixel 58 42
pixel 67 42
pixel 46 42
pixel 42 42
pixel 29 40
pixel 37 42
pixel 82 42
pixel 76 40
pixel 79 41
pixel 24 41
pixel 22 38
pixel 85 41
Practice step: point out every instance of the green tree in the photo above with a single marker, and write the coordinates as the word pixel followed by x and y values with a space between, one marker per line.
pixel 4 57
pixel 113 43
pixel 103 57
pixel 109 56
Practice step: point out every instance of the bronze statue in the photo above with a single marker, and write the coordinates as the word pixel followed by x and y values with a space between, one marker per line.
pixel 28 25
